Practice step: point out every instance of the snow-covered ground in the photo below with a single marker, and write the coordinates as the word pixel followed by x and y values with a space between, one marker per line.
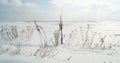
pixel 22 49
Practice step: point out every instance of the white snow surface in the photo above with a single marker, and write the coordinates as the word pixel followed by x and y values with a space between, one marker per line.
pixel 71 51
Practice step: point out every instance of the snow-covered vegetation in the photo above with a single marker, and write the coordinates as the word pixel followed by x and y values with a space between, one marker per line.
pixel 40 42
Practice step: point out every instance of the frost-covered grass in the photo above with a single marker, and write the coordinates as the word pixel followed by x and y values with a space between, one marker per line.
pixel 83 42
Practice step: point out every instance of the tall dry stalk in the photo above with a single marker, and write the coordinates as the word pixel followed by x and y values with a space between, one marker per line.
pixel 42 38
pixel 45 49
pixel 61 29
pixel 61 26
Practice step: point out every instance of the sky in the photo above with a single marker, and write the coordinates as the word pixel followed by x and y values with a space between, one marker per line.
pixel 49 10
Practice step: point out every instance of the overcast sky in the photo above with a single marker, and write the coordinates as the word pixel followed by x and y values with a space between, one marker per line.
pixel 49 10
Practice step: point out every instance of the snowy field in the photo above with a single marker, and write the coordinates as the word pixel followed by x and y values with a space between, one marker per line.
pixel 84 42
